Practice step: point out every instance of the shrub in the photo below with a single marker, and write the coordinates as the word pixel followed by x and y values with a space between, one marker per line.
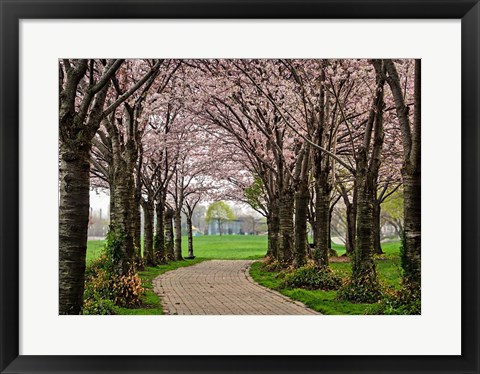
pixel 271 264
pixel 127 290
pixel 403 301
pixel 104 288
pixel 332 252
pixel 312 278
pixel 360 292
pixel 98 280
pixel 98 306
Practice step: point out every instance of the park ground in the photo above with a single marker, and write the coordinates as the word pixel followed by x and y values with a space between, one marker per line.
pixel 236 247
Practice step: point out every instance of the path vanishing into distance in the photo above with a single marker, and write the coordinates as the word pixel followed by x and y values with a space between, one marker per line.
pixel 221 287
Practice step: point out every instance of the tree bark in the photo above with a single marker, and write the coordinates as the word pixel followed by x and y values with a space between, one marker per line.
pixel 169 237
pixel 301 207
pixel 122 229
pixel 137 226
pixel 351 227
pixel 73 219
pixel 322 213
pixel 377 246
pixel 363 268
pixel 190 236
pixel 178 235
pixel 411 256
pixel 273 223
pixel 330 213
pixel 148 256
pixel 159 242
pixel 286 209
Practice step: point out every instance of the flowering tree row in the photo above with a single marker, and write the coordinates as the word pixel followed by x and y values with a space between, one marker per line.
pixel 290 137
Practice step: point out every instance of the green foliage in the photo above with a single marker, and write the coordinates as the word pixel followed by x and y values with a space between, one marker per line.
pixel 392 209
pixel 271 264
pixel 254 193
pixel 360 291
pixel 103 287
pixel 97 306
pixel 114 240
pixel 98 292
pixel 405 301
pixel 219 212
pixel 312 278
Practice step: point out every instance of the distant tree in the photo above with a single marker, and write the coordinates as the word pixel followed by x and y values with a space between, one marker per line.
pixel 392 211
pixel 219 212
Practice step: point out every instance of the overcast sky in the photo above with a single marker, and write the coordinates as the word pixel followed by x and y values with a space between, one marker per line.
pixel 99 201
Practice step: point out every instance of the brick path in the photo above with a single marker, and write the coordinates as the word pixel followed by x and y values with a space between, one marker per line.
pixel 220 287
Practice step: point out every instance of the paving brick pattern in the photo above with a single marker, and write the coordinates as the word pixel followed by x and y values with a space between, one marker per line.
pixel 221 287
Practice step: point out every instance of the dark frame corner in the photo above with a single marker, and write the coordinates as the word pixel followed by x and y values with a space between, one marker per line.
pixel 12 11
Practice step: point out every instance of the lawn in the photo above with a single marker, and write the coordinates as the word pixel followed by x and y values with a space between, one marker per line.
pixel 254 247
pixel 225 247
pixel 389 273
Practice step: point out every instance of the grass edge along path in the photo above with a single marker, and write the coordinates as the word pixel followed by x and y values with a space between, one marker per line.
pixel 318 300
pixel 325 302
pixel 151 303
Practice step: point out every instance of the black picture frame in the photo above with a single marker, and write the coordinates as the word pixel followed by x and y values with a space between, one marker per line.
pixel 13 11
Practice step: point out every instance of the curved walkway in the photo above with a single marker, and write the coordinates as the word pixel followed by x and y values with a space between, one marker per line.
pixel 220 287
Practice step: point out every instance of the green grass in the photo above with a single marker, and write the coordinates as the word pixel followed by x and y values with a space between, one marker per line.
pixel 225 247
pixel 151 301
pixel 254 247
pixel 389 273
pixel 94 249
pixel 228 247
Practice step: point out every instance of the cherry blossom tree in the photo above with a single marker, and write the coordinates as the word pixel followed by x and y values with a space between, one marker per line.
pixel 83 86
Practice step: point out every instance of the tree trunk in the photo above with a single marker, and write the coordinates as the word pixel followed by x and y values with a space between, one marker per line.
pixel 301 207
pixel 351 227
pixel 363 269
pixel 273 222
pixel 159 241
pixel 411 173
pixel 178 235
pixel 322 212
pixel 190 236
pixel 124 250
pixel 377 246
pixel 411 255
pixel 73 225
pixel 169 238
pixel 111 186
pixel 330 213
pixel 148 255
pixel 137 226
pixel 285 243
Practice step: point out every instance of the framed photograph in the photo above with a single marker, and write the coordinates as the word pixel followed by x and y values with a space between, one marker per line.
pixel 305 152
